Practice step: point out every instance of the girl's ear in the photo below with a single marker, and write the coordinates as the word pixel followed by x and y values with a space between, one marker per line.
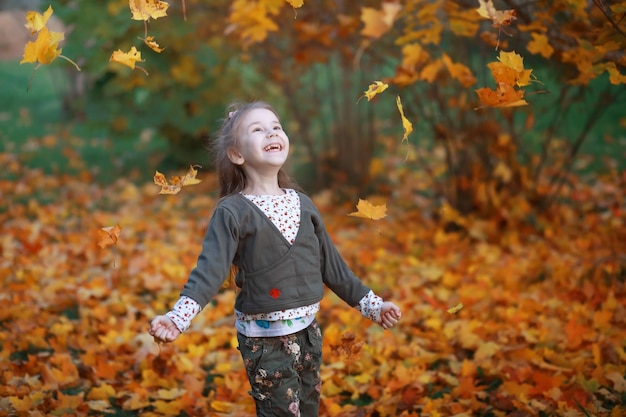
pixel 235 157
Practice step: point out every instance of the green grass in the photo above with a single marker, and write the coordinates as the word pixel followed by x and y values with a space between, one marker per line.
pixel 34 126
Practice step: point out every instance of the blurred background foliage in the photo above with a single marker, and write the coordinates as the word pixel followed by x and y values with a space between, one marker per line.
pixel 111 121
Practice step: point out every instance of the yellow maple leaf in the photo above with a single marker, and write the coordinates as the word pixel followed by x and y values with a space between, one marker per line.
pixel 455 309
pixel 406 123
pixel 367 210
pixel 146 9
pixel 149 40
pixel 296 3
pixel 176 183
pixel 378 22
pixel 498 17
pixel 129 58
pixel 376 88
pixel 222 406
pixel 516 63
pixel 35 21
pixel 44 49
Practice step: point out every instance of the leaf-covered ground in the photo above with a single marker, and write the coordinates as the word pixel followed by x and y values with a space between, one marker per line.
pixel 542 330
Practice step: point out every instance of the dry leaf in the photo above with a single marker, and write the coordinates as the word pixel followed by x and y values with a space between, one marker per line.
pixel 367 210
pixel 129 58
pixel 108 236
pixel 44 49
pixel 498 17
pixel 152 44
pixel 504 96
pixel 455 309
pixel 36 21
pixel 176 183
pixel 376 88
pixel 406 124
pixel 378 22
pixel 146 9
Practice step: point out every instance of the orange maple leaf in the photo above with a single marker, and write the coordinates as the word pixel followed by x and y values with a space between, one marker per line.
pixel 504 96
pixel 108 236
pixel 378 22
pixel 146 9
pixel 176 183
pixel 367 210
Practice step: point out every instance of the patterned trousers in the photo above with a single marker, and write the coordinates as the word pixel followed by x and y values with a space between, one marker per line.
pixel 284 372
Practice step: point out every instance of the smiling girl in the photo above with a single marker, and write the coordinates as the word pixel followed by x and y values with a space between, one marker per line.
pixel 275 237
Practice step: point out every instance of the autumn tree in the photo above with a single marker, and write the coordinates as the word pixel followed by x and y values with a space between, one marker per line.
pixel 440 53
pixel 503 142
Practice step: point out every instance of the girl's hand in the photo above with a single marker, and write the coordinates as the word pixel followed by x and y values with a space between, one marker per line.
pixel 389 315
pixel 163 329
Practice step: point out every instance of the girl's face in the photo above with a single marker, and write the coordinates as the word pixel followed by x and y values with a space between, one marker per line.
pixel 262 144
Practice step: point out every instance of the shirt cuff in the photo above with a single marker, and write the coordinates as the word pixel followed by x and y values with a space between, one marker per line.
pixel 183 312
pixel 370 306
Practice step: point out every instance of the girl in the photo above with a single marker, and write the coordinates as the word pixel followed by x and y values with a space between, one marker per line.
pixel 276 239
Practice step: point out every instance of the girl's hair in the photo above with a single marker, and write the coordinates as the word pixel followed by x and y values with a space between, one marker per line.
pixel 232 178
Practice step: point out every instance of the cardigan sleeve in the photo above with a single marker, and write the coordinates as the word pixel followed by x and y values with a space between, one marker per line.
pixel 335 272
pixel 218 251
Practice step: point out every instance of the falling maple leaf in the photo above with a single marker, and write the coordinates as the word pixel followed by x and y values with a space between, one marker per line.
pixel 406 123
pixel 129 58
pixel 296 3
pixel 108 236
pixel 44 49
pixel 378 22
pixel 36 21
pixel 376 88
pixel 498 17
pixel 367 210
pixel 146 9
pixel 152 44
pixel 515 62
pixel 504 96
pixel 176 183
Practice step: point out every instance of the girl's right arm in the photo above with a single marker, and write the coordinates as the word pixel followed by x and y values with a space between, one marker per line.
pixel 204 281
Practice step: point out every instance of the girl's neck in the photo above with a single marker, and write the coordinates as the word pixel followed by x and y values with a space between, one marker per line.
pixel 263 190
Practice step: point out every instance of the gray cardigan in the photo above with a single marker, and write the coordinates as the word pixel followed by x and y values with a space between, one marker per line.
pixel 273 274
